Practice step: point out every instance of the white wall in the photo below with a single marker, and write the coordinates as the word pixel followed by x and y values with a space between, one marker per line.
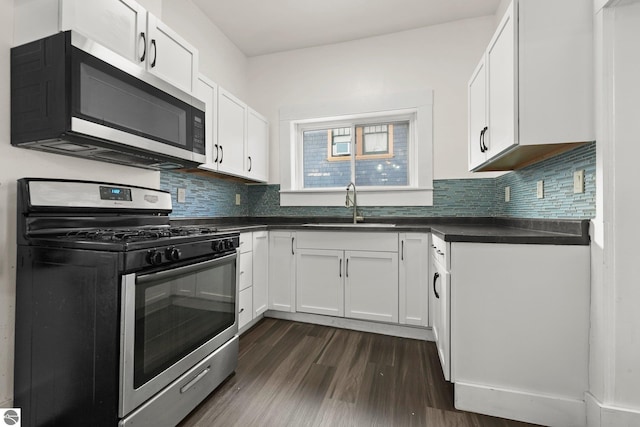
pixel 219 59
pixel 439 57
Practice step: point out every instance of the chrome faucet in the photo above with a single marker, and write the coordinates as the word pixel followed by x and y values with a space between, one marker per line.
pixel 353 202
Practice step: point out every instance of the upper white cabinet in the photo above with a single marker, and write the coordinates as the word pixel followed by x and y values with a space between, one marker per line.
pixel 257 146
pixel 237 137
pixel 122 26
pixel 531 95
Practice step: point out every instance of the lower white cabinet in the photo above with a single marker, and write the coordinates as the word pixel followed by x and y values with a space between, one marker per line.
pixel 371 286
pixel 320 282
pixel 245 307
pixel 413 273
pixel 282 271
pixel 260 271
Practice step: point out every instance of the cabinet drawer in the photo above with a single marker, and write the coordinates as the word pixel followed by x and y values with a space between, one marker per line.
pixel 348 241
pixel 245 307
pixel 246 242
pixel 246 270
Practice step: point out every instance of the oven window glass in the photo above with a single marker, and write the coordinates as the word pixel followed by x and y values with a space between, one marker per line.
pixel 175 316
pixel 112 101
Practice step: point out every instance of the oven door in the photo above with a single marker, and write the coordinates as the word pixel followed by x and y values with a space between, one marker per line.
pixel 171 320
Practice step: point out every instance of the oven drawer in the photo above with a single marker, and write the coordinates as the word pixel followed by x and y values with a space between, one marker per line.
pixel 173 403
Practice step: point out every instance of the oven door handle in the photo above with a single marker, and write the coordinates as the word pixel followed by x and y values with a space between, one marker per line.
pixel 176 272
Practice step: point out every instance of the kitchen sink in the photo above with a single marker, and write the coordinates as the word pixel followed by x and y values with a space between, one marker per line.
pixel 358 225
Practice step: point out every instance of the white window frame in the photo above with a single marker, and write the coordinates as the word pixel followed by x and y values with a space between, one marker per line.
pixel 418 105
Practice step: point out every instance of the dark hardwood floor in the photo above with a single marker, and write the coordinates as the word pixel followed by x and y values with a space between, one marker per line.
pixel 297 374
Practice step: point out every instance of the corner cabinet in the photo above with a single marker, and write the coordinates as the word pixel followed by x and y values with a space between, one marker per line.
pixel 237 137
pixel 122 26
pixel 531 95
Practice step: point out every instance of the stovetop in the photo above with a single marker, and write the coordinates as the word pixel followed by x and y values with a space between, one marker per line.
pixel 130 235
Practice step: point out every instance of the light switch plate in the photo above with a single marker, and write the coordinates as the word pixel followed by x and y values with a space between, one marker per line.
pixel 237 199
pixel 182 195
pixel 540 190
pixel 578 181
pixel 507 194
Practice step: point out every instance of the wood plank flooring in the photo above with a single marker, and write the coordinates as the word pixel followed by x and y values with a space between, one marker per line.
pixel 297 374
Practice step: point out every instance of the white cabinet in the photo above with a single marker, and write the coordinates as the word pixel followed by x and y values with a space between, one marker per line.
pixel 245 307
pixel 441 303
pixel 257 146
pixel 236 137
pixel 282 271
pixel 371 286
pixel 531 95
pixel 232 115
pixel 320 282
pixel 260 271
pixel 414 279
pixel 122 26
pixel 348 274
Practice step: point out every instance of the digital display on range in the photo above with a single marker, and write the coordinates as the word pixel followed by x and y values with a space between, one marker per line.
pixel 115 193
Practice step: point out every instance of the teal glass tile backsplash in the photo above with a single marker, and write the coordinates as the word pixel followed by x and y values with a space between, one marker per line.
pixel 211 197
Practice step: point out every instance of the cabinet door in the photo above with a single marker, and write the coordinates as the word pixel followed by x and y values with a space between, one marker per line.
pixel 282 271
pixel 414 279
pixel 119 25
pixel 501 83
pixel 260 271
pixel 477 115
pixel 371 285
pixel 257 146
pixel 319 282
pixel 245 307
pixel 440 291
pixel 171 57
pixel 231 133
pixel 207 91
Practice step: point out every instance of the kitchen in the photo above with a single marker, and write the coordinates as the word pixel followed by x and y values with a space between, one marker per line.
pixel 445 67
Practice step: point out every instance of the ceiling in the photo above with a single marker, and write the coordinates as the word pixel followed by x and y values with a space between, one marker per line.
pixel 261 27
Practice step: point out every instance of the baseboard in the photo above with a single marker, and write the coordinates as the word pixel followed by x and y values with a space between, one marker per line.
pixel 600 415
pixel 517 405
pixel 250 324
pixel 412 332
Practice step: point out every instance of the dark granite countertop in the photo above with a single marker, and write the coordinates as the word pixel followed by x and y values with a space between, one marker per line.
pixel 451 229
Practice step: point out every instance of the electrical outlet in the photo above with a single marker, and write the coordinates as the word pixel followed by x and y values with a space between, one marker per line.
pixel 182 195
pixel 540 191
pixel 507 194
pixel 578 181
pixel 237 199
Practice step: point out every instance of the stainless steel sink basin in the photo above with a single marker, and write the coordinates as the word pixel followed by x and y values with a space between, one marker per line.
pixel 358 225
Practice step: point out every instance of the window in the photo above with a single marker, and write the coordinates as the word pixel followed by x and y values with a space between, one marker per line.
pixel 386 152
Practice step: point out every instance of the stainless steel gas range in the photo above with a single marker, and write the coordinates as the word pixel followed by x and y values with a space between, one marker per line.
pixel 121 319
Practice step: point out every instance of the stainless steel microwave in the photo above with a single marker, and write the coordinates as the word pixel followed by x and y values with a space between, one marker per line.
pixel 72 96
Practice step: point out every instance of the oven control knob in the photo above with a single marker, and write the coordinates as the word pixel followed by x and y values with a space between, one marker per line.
pixel 173 254
pixel 228 244
pixel 215 246
pixel 154 257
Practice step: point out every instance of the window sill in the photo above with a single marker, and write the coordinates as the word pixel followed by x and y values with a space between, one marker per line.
pixel 366 197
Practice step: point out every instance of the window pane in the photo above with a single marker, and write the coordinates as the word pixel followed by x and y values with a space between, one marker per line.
pixel 318 171
pixel 375 143
pixel 389 171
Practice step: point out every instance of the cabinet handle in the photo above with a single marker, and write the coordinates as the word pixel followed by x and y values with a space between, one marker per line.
pixel 144 45
pixel 292 239
pixel 347 269
pixel 402 250
pixel 241 310
pixel 483 146
pixel 250 164
pixel 217 153
pixel 155 52
pixel 340 269
pixel 221 153
pixel 435 277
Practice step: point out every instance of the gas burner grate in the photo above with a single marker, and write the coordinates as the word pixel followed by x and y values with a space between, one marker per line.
pixel 137 234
